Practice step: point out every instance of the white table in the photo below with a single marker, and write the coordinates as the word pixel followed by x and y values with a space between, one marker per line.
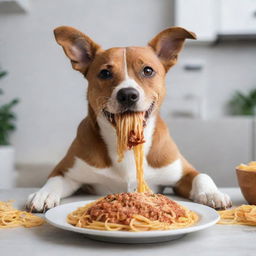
pixel 47 240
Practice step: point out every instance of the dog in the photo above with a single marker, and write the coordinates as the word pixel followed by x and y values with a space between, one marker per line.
pixel 120 80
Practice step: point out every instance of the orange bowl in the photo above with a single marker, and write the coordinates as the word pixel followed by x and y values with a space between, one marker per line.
pixel 247 182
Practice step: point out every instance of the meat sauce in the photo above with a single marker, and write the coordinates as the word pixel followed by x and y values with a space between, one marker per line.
pixel 120 208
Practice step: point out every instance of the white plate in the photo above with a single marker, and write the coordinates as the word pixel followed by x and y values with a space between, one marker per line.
pixel 207 217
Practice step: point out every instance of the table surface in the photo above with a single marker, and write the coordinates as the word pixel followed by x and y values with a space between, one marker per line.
pixel 48 240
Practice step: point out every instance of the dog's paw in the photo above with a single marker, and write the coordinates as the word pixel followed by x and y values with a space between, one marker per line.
pixel 216 200
pixel 41 201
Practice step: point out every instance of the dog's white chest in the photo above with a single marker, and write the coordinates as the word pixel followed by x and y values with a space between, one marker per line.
pixel 121 177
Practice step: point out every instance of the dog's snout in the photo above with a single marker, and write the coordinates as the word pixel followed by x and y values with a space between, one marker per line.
pixel 127 96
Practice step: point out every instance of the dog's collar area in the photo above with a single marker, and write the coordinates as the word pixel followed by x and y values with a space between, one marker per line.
pixel 111 116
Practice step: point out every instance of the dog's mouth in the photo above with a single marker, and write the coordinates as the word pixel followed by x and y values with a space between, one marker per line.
pixel 111 117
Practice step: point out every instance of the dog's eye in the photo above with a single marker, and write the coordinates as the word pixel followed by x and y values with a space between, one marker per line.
pixel 105 74
pixel 148 71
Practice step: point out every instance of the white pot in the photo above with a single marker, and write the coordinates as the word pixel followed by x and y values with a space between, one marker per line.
pixel 7 167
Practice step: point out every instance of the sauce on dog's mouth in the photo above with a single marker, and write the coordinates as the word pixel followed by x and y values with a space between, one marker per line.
pixel 111 116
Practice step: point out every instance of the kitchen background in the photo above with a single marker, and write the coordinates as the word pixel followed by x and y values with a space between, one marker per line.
pixel 200 87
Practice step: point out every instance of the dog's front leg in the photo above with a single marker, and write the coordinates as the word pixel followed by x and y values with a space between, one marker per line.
pixel 49 195
pixel 201 189
pixel 204 191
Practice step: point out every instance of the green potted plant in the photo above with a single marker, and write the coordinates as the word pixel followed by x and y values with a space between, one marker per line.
pixel 243 103
pixel 7 125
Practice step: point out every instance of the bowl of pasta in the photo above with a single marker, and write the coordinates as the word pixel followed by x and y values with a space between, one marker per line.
pixel 246 176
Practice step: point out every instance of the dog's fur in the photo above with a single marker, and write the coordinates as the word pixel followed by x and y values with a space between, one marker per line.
pixel 92 157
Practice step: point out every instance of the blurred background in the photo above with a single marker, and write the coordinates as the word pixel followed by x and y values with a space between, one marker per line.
pixel 211 92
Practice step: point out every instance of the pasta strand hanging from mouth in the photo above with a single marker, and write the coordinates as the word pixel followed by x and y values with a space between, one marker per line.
pixel 129 130
pixel 130 135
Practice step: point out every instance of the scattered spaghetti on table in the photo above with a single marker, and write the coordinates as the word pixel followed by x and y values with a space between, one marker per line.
pixel 11 217
pixel 242 215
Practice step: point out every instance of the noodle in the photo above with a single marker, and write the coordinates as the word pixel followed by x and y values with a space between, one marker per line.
pixel 242 215
pixel 11 217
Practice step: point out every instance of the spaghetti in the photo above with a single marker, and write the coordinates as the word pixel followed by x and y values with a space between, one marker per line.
pixel 129 130
pixel 11 217
pixel 132 212
pixel 242 215
pixel 247 167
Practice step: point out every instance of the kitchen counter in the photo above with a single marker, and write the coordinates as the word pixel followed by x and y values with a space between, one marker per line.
pixel 48 240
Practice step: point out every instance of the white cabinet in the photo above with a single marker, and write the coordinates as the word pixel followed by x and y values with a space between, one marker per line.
pixel 210 18
pixel 237 17
pixel 198 16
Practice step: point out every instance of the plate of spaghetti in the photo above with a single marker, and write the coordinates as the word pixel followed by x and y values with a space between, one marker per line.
pixel 137 217
pixel 133 218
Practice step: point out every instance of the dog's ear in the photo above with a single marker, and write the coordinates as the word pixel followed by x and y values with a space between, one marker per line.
pixel 168 43
pixel 78 47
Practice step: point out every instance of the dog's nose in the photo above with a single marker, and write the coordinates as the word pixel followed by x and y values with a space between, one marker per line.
pixel 127 96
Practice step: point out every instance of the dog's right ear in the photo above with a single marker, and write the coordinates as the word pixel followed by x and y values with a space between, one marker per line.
pixel 78 47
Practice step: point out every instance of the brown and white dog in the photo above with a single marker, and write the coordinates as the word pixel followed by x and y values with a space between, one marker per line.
pixel 123 79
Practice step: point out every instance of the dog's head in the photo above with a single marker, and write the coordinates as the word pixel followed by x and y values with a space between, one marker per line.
pixel 123 79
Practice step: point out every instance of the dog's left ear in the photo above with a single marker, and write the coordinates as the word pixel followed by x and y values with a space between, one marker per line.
pixel 78 47
pixel 168 43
